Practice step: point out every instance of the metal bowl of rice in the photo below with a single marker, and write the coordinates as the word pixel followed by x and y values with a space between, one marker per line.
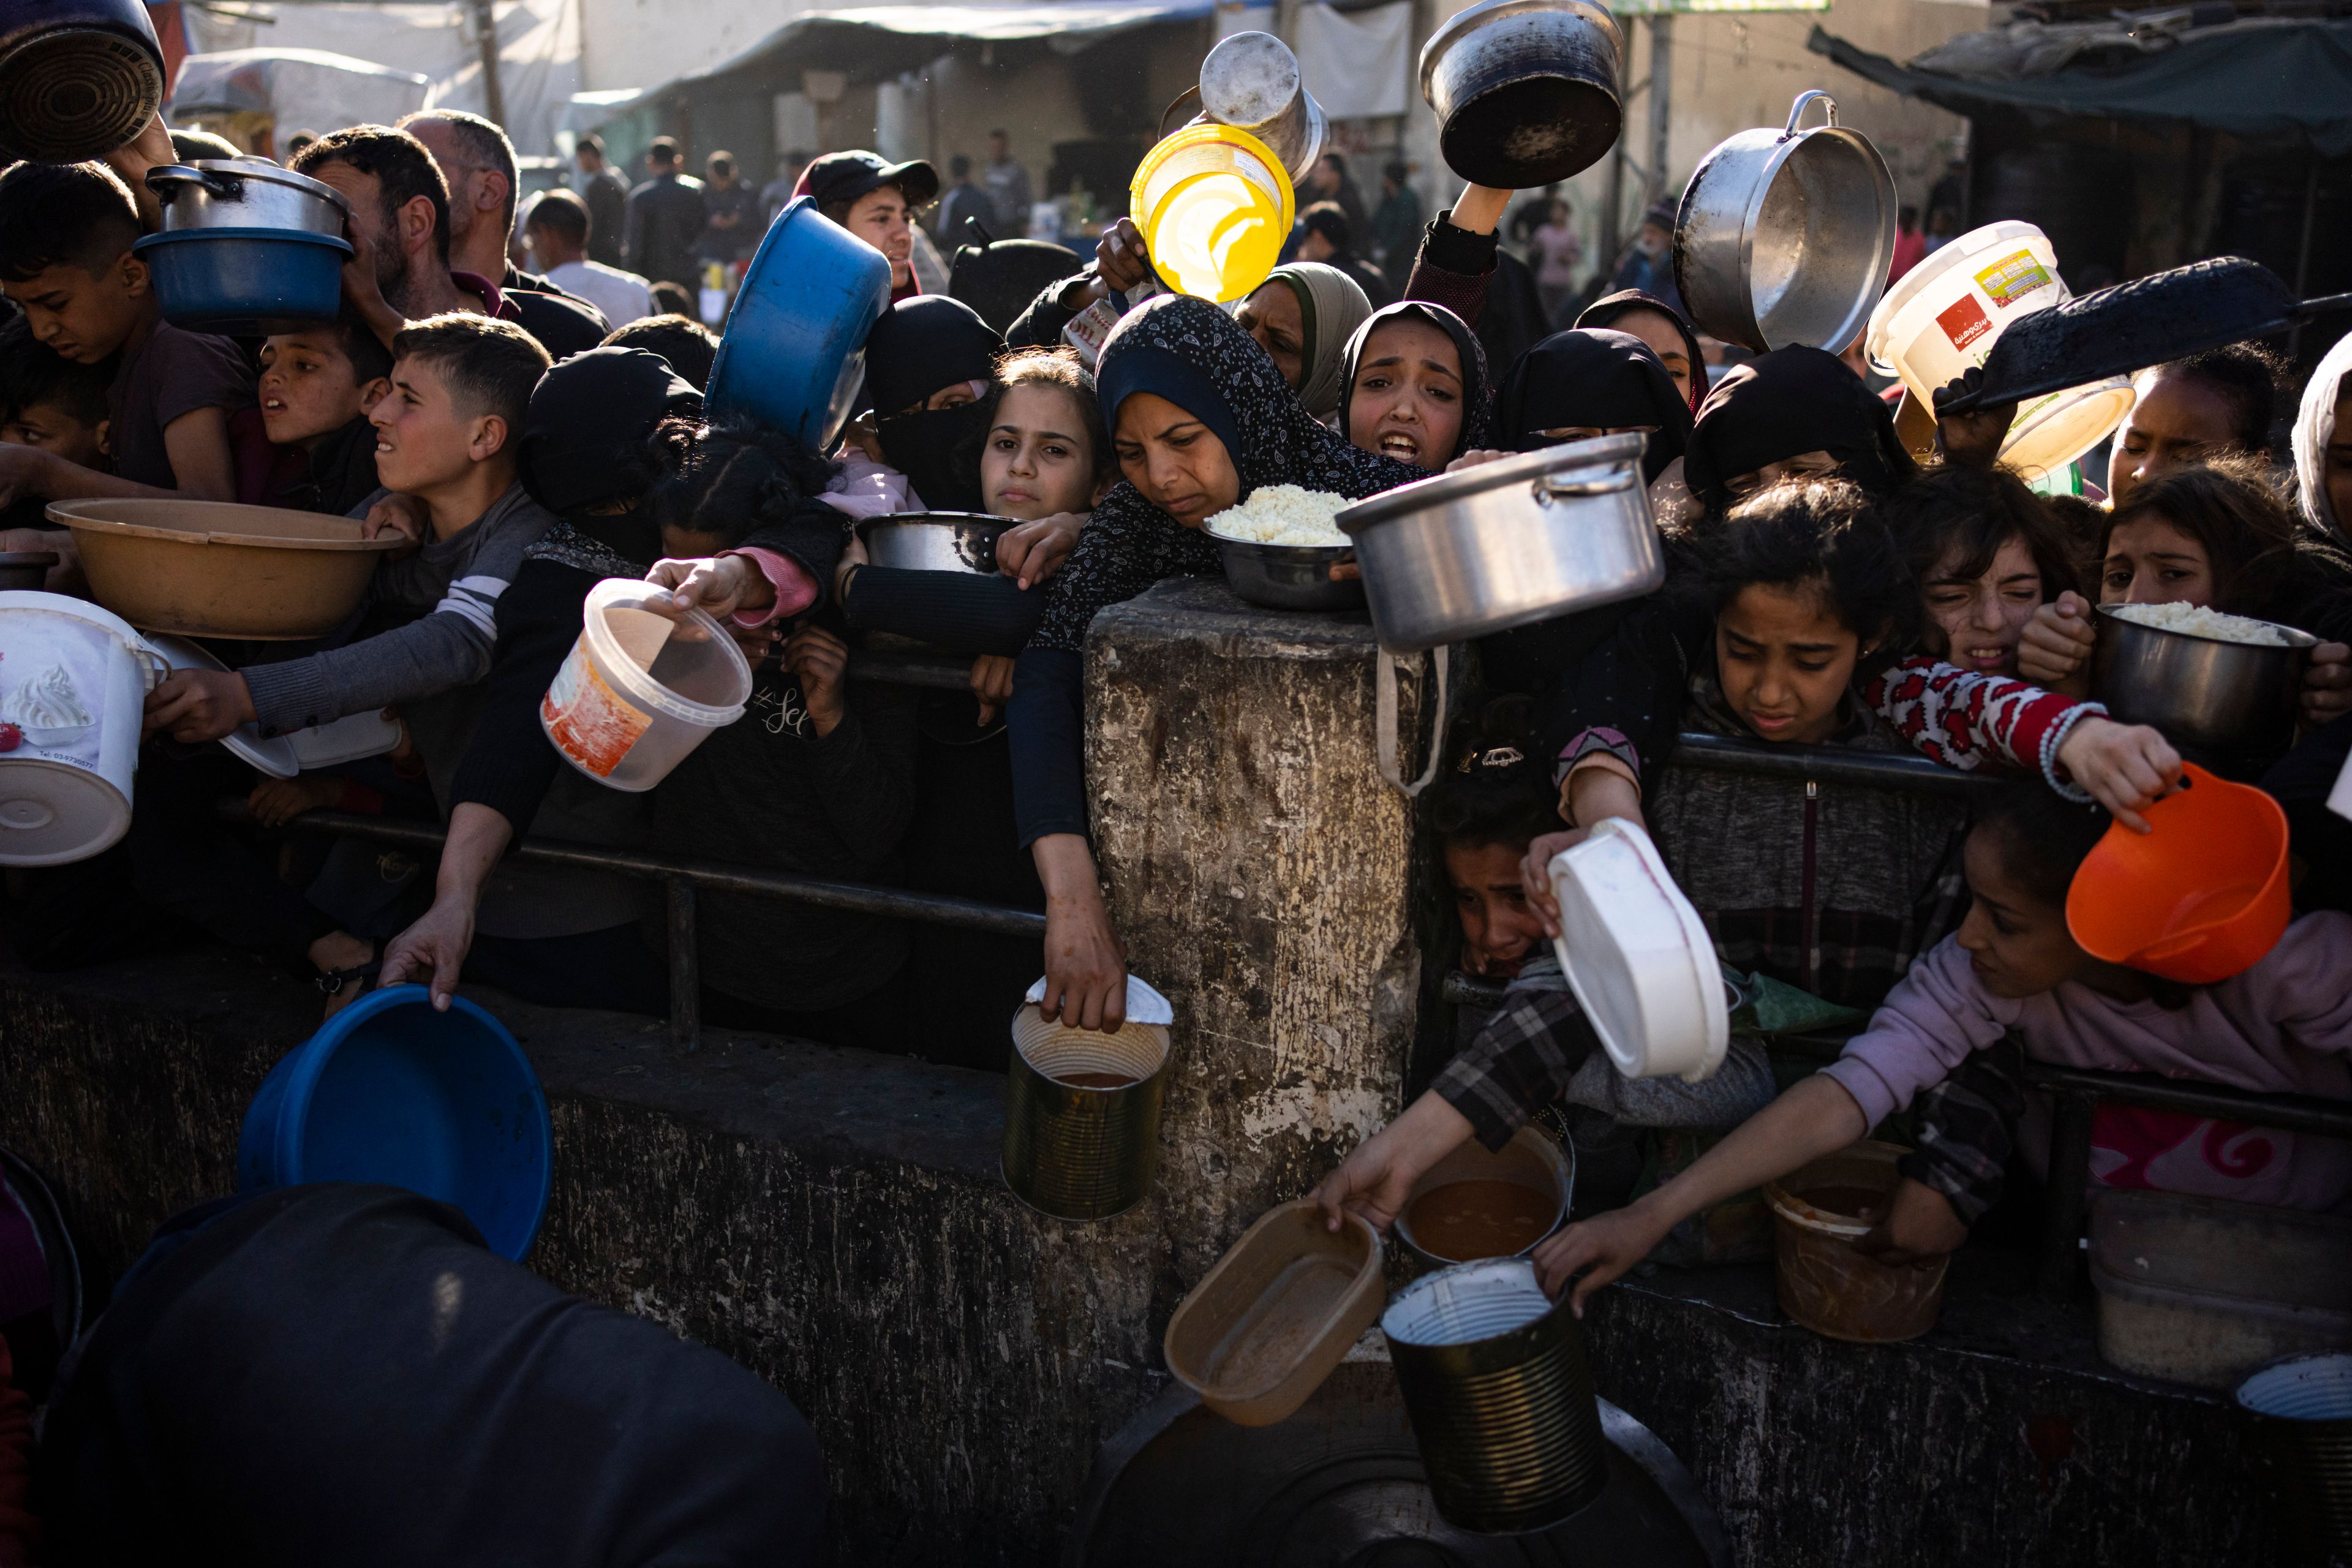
pixel 2214 683
pixel 1279 547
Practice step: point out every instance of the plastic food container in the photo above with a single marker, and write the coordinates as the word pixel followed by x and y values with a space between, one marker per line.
pixel 1501 1400
pixel 246 282
pixel 1264 1328
pixel 1821 1281
pixel 73 684
pixel 2203 1290
pixel 1530 1163
pixel 639 691
pixel 2199 897
pixel 1214 207
pixel 2301 1408
pixel 1082 1108
pixel 1942 319
pixel 215 569
pixel 1638 956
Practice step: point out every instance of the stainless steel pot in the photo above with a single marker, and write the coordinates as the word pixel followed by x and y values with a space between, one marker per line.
pixel 1507 544
pixel 1288 576
pixel 1785 236
pixel 1251 81
pixel 2234 698
pixel 934 540
pixel 1525 91
pixel 246 192
pixel 78 78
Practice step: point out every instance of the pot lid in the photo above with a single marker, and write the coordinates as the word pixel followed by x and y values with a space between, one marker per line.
pixel 197 170
pixel 2147 321
pixel 1545 462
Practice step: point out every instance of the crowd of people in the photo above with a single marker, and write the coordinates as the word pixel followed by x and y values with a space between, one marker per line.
pixel 530 435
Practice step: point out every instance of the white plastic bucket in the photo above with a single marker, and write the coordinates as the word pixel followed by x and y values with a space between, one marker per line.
pixel 73 682
pixel 1941 319
pixel 1638 956
pixel 639 691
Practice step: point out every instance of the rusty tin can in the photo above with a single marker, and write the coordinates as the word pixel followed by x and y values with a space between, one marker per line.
pixel 1082 1115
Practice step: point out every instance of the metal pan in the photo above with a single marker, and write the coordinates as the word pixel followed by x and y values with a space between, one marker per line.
pixel 962 542
pixel 1525 91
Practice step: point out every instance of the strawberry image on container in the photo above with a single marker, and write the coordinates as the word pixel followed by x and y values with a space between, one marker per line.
pixel 11 737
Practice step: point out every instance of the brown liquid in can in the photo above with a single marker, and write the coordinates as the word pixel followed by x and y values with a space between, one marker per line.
pixel 1094 1079
pixel 1853 1203
pixel 1466 1221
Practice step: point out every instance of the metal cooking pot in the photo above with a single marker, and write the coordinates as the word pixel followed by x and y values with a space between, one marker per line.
pixel 246 192
pixel 2232 697
pixel 934 540
pixel 1288 576
pixel 1785 236
pixel 793 351
pixel 78 78
pixel 1251 81
pixel 1507 544
pixel 1525 91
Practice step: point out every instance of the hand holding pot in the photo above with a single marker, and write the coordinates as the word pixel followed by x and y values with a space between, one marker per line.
pixel 2328 684
pixel 2125 767
pixel 193 706
pixel 991 684
pixel 1972 438
pixel 1120 259
pixel 1377 1178
pixel 150 149
pixel 2056 646
pixel 1033 552
pixel 1597 1251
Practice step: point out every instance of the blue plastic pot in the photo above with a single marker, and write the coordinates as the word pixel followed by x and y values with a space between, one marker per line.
pixel 246 282
pixel 793 354
pixel 390 1091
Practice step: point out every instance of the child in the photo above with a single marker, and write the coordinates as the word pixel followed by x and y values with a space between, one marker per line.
pixel 1987 552
pixel 2283 1027
pixel 317 388
pixel 66 232
pixel 1485 812
pixel 50 402
pixel 690 347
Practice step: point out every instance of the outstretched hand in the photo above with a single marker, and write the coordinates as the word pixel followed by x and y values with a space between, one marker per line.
pixel 1595 1252
pixel 2126 768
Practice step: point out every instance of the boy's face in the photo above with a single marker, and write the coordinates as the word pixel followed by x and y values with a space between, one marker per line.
pixel 423 440
pixel 84 316
pixel 54 430
pixel 309 388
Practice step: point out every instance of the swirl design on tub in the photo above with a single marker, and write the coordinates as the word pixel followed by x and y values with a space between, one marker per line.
pixel 46 708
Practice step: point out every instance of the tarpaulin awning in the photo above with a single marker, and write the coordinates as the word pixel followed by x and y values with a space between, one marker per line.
pixel 2276 82
pixel 304 88
pixel 875 42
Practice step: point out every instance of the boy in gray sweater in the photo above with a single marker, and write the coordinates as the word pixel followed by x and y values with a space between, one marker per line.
pixel 445 444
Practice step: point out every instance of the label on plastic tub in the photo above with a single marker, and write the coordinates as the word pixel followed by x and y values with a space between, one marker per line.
pixel 1964 322
pixel 588 720
pixel 2012 278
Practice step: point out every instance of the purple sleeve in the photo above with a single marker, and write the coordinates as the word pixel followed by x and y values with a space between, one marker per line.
pixel 1926 1027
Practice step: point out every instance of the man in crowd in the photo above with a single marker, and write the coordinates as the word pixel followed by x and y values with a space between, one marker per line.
pixel 966 200
pixel 778 193
pixel 1008 185
pixel 563 236
pixel 1648 263
pixel 1396 223
pixel 730 215
pixel 607 198
pixel 665 219
pixel 877 202
pixel 1327 237
pixel 478 164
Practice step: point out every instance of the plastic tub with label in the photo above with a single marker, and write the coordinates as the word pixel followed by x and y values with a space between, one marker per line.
pixel 74 680
pixel 641 689
pixel 1215 207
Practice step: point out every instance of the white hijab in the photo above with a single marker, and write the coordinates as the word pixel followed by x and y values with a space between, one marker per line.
pixel 2314 426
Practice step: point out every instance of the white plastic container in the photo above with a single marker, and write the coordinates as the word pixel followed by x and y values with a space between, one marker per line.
pixel 1638 956
pixel 640 691
pixel 1941 320
pixel 74 680
pixel 273 754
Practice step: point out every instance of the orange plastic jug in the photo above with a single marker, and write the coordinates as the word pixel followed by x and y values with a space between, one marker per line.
pixel 2200 897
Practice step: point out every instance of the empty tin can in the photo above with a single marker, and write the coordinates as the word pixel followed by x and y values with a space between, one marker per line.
pixel 1082 1115
pixel 1501 1401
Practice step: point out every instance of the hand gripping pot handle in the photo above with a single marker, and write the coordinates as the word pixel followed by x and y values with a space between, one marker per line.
pixel 1384 704
pixel 1804 99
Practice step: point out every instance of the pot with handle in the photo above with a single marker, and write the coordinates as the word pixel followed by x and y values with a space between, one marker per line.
pixel 78 78
pixel 1784 238
pixel 1525 91
pixel 246 192
pixel 1251 81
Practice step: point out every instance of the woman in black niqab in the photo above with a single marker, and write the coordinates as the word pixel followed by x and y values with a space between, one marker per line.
pixel 1576 385
pixel 1794 410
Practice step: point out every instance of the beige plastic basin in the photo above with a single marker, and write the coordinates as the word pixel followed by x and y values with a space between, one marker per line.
pixel 215 569
pixel 1264 1328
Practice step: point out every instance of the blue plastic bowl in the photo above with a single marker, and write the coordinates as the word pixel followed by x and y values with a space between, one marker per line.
pixel 245 282
pixel 391 1091
pixel 793 354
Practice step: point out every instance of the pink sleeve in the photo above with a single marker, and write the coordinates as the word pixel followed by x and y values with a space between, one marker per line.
pixel 861 487
pixel 795 589
pixel 1968 721
pixel 1924 1028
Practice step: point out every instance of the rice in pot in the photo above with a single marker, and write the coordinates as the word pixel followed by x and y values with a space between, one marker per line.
pixel 1282 514
pixel 2199 621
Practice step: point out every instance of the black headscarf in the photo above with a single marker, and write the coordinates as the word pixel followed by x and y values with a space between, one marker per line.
pixel 1000 280
pixel 1609 309
pixel 584 441
pixel 1600 379
pixel 921 345
pixel 1193 353
pixel 1478 389
pixel 1786 402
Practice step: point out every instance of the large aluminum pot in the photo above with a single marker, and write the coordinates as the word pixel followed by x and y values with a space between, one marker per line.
pixel 962 542
pixel 78 78
pixel 246 192
pixel 1525 91
pixel 1252 81
pixel 1507 544
pixel 1785 236
pixel 2231 698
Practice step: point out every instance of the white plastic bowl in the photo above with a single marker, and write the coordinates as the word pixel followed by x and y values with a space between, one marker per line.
pixel 1638 957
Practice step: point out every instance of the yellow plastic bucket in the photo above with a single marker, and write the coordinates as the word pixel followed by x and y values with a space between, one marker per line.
pixel 1214 207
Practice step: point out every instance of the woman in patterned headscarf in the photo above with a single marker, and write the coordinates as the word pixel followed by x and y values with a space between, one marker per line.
pixel 1199 418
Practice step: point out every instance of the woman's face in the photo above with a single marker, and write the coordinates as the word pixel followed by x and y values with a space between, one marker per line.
pixel 2337 460
pixel 1498 930
pixel 2151 562
pixel 1665 341
pixel 1785 662
pixel 1407 402
pixel 880 218
pixel 1174 461
pixel 1037 463
pixel 2177 422
pixel 1976 622
pixel 1272 316
pixel 1804 464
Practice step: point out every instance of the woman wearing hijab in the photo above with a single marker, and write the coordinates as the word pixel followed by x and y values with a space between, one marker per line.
pixel 1793 411
pixel 2323 443
pixel 1199 418
pixel 1415 386
pixel 1303 316
pixel 1672 338
pixel 928 363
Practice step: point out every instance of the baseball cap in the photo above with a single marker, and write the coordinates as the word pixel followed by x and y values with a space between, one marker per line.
pixel 845 176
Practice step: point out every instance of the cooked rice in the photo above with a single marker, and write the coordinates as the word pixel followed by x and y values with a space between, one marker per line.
pixel 2199 621
pixel 1282 514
